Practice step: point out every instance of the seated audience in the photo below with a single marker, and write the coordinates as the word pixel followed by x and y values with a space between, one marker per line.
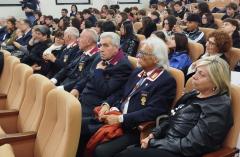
pixel 120 18
pixel 231 11
pixel 203 8
pixel 207 21
pixel 87 15
pixel 148 26
pixel 155 16
pixel 218 44
pixel 179 58
pixel 9 33
pixel 192 31
pixel 168 24
pixel 23 36
pixel 148 93
pixel 179 10
pixel 200 120
pixel 63 24
pixel 53 53
pixel 231 27
pixel 110 15
pixel 34 58
pixel 141 13
pixel 129 41
pixel 108 26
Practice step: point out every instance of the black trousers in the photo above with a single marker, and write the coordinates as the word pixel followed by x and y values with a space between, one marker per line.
pixel 113 147
pixel 89 126
pixel 150 152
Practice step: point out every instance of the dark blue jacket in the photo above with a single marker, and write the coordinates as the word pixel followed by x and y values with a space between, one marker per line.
pixel 103 83
pixel 76 71
pixel 25 38
pixel 153 98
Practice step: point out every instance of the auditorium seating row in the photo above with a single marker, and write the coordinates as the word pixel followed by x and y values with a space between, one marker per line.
pixel 36 118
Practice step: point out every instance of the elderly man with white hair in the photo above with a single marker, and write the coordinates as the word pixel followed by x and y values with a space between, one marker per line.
pixel 148 93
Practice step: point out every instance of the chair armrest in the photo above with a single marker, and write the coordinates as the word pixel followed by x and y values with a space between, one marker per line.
pixel 8 120
pixel 22 143
pixel 145 128
pixel 146 125
pixel 3 100
pixel 223 152
pixel 3 96
pixel 9 138
pixel 4 113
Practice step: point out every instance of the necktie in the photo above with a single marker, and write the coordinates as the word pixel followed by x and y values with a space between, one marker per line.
pixel 138 84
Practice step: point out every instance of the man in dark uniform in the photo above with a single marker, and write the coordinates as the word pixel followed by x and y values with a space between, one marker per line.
pixel 69 53
pixel 109 72
pixel 78 70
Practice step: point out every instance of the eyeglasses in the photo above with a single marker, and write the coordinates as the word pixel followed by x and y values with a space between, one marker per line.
pixel 211 43
pixel 142 53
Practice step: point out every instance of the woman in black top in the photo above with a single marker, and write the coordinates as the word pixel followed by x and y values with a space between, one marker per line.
pixel 129 42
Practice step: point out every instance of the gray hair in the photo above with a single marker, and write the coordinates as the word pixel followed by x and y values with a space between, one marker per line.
pixel 72 31
pixel 93 34
pixel 115 38
pixel 160 50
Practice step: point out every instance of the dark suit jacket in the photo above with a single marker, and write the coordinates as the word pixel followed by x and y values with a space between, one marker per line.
pixel 67 56
pixel 150 100
pixel 103 83
pixel 76 71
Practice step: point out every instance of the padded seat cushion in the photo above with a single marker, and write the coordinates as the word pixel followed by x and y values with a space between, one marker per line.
pixel 2 132
pixel 6 151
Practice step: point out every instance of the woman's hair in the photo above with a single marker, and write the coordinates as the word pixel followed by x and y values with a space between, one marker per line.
pixel 99 24
pixel 210 18
pixel 181 42
pixel 219 72
pixel 59 34
pixel 74 5
pixel 104 6
pixel 233 22
pixel 128 28
pixel 222 39
pixel 203 8
pixel 171 22
pixel 161 35
pixel 108 26
pixel 76 23
pixel 124 16
pixel 66 23
pixel 148 26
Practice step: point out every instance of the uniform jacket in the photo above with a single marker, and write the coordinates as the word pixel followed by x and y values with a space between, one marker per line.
pixel 103 83
pixel 151 99
pixel 76 71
